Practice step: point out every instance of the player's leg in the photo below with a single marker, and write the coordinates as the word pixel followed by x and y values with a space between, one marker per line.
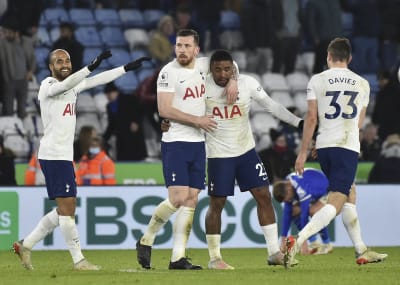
pixel 194 156
pixel 326 246
pixel 339 165
pixel 352 225
pixel 269 227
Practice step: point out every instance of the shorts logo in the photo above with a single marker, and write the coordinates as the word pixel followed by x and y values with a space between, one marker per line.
pixel 173 176
pixel 8 219
pixel 67 188
pixel 211 186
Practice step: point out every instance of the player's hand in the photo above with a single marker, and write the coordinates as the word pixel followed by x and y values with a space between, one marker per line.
pixel 300 161
pixel 231 91
pixel 96 62
pixel 133 65
pixel 206 123
pixel 165 125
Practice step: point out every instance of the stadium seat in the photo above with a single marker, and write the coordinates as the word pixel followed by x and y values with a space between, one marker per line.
pixel 82 17
pixel 42 74
pixel 88 36
pixel 347 23
pixel 112 37
pixel 151 18
pixel 90 119
pixel 230 20
pixel 261 122
pixel 100 100
pixel 54 16
pixel 135 54
pixel 263 141
pixel 33 125
pixel 274 82
pixel 136 38
pixel 42 54
pixel 283 97
pixel 119 57
pixel 308 59
pixel 297 81
pixel 127 83
pixel 231 40
pixel 15 136
pixel 107 17
pixel 143 73
pixel 240 58
pixel 131 18
pixel 43 37
pixel 300 101
pixel 90 53
pixel 85 103
pixel 54 34
pixel 373 82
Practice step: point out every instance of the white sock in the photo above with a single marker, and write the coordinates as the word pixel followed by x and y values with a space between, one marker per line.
pixel 160 217
pixel 181 231
pixel 71 237
pixel 352 225
pixel 214 246
pixel 45 226
pixel 320 220
pixel 271 238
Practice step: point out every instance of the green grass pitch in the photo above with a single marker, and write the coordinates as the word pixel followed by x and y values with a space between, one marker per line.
pixel 120 267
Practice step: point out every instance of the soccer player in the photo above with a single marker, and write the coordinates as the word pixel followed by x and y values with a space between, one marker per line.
pixel 337 100
pixel 231 155
pixel 180 98
pixel 303 196
pixel 57 97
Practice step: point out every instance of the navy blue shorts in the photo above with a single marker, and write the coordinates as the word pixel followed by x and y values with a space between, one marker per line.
pixel 247 169
pixel 60 178
pixel 339 166
pixel 184 164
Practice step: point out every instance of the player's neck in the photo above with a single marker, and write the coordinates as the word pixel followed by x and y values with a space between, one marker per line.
pixel 338 64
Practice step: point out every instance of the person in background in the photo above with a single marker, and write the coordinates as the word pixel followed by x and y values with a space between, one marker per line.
pixel 278 159
pixel 81 145
pixel 68 42
pixel 7 167
pixel 17 66
pixel 161 44
pixel 125 117
pixel 96 167
pixel 183 17
pixel 34 174
pixel 370 143
pixel 387 167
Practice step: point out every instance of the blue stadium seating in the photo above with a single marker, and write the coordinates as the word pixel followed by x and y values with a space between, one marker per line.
pixel 54 16
pixel 373 82
pixel 44 37
pixel 229 20
pixel 127 83
pixel 90 53
pixel 135 54
pixel 82 17
pixel 112 37
pixel 151 18
pixel 131 18
pixel 347 22
pixel 42 54
pixel 119 57
pixel 107 17
pixel 42 74
pixel 143 73
pixel 88 36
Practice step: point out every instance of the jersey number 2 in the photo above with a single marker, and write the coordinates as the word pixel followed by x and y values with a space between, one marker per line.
pixel 338 110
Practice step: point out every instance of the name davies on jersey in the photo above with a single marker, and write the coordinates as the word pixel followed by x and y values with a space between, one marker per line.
pixel 342 80
pixel 189 93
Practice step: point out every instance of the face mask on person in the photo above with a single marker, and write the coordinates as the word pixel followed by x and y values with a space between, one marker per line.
pixel 94 150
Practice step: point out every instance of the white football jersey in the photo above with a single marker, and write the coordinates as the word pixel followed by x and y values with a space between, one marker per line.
pixel 341 95
pixel 233 136
pixel 189 88
pixel 58 110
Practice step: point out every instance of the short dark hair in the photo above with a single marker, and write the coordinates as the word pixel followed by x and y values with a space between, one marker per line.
pixel 189 33
pixel 67 25
pixel 221 55
pixel 279 191
pixel 340 49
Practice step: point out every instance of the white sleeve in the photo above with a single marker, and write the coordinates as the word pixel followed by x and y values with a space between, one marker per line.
pixel 311 94
pixel 101 78
pixel 276 109
pixel 57 87
pixel 166 80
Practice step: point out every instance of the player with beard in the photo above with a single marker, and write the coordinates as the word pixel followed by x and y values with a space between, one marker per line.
pixel 57 97
pixel 180 97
